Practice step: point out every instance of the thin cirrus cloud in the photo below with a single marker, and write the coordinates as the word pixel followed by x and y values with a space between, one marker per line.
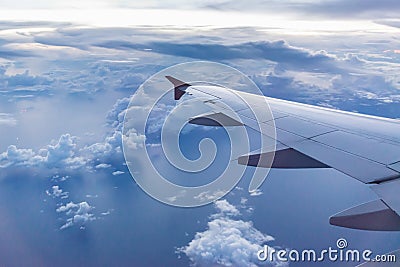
pixel 300 8
pixel 7 119
pixel 290 17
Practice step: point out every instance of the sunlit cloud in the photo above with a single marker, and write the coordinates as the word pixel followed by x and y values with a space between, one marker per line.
pixel 174 18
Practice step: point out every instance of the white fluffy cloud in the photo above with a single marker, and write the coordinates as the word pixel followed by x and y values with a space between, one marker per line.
pixel 102 166
pixel 227 241
pixel 226 208
pixel 117 173
pixel 255 193
pixel 66 154
pixel 98 150
pixel 134 140
pixel 101 153
pixel 20 156
pixel 78 214
pixel 60 155
pixel 115 116
pixel 57 192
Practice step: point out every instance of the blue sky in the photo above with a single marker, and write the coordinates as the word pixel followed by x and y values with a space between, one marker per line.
pixel 68 70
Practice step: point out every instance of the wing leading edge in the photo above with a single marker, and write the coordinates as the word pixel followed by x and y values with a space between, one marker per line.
pixel 366 148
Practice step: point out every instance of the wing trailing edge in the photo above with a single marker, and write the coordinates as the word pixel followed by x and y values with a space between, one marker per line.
pixel 215 119
pixel 287 158
pixel 374 215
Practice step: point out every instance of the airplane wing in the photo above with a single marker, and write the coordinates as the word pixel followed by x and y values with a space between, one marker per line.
pixel 366 148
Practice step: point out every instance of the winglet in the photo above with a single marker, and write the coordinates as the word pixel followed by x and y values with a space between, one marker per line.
pixel 179 87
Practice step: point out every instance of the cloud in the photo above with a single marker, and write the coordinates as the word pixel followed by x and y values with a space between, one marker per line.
pixel 76 67
pixel 25 80
pixel 256 193
pixel 99 150
pixel 389 22
pixel 227 241
pixel 10 54
pixel 23 84
pixel 103 166
pixel 59 155
pixel 295 69
pixel 102 154
pixel 18 157
pixel 106 213
pixel 7 119
pixel 209 195
pixel 280 69
pixel 303 72
pixel 115 116
pixel 352 9
pixel 277 51
pixel 117 173
pixel 317 8
pixel 134 140
pixel 64 153
pixel 224 207
pixel 351 74
pixel 298 70
pixel 79 214
pixel 58 178
pixel 57 192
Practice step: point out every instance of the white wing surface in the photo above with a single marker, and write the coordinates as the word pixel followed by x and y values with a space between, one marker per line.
pixel 366 148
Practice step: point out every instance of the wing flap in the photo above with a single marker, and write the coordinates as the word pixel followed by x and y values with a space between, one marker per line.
pixel 215 119
pixel 364 170
pixel 389 192
pixel 375 215
pixel 286 158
